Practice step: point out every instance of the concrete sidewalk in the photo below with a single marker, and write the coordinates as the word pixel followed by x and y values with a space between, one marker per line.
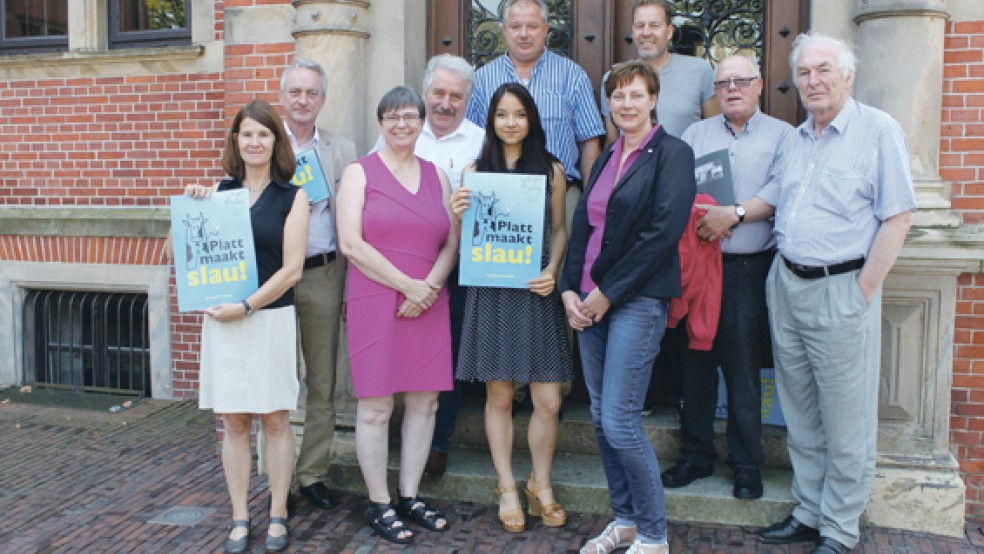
pixel 148 479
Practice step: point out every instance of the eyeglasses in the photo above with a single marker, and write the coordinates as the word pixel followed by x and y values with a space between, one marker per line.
pixel 409 118
pixel 739 82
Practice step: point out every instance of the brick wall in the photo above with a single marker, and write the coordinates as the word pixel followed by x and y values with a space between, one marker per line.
pixel 113 141
pixel 962 163
pixel 82 250
pixel 127 141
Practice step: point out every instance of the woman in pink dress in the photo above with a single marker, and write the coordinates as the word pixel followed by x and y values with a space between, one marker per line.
pixel 395 229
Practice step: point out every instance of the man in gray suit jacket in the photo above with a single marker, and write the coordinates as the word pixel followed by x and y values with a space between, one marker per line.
pixel 318 295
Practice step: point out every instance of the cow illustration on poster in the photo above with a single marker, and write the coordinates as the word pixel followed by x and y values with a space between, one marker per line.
pixel 488 209
pixel 217 238
pixel 506 219
pixel 196 235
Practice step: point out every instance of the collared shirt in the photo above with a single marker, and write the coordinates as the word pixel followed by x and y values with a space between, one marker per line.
pixel 597 206
pixel 563 96
pixel 685 83
pixel 753 152
pixel 321 228
pixel 452 152
pixel 832 192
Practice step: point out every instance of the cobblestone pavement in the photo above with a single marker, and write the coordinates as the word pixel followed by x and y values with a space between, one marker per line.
pixel 74 480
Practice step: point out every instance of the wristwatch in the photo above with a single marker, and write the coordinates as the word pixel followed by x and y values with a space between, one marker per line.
pixel 740 212
pixel 249 309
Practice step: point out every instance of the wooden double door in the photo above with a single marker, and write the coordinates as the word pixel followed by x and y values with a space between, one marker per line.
pixel 597 33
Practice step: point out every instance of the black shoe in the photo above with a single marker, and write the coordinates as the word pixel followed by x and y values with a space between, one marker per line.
pixel 830 546
pixel 319 495
pixel 437 464
pixel 787 531
pixel 684 473
pixel 276 544
pixel 748 483
pixel 235 546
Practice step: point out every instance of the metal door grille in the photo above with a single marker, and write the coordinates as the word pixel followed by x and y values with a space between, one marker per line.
pixel 485 41
pixel 87 341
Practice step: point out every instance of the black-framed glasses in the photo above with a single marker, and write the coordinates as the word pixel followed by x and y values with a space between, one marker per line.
pixel 739 82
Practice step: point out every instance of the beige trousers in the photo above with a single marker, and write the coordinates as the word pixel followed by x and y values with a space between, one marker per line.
pixel 318 303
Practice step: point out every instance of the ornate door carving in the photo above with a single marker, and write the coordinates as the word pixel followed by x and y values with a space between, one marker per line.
pixel 597 34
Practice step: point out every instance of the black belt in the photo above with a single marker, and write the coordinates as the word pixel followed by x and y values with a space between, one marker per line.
pixel 771 252
pixel 572 182
pixel 818 271
pixel 319 260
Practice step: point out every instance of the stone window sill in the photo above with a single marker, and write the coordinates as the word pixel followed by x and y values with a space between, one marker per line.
pixel 101 57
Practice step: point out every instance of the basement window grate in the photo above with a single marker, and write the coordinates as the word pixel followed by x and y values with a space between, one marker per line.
pixel 85 340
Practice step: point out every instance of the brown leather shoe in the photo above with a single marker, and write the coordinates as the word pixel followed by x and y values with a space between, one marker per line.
pixel 437 463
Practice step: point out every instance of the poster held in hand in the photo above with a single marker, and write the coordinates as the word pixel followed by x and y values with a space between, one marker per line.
pixel 310 176
pixel 713 173
pixel 214 258
pixel 502 231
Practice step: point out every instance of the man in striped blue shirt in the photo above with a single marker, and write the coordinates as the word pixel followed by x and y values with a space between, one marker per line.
pixel 560 88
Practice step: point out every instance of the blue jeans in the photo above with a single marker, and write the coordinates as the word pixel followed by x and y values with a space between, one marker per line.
pixel 617 354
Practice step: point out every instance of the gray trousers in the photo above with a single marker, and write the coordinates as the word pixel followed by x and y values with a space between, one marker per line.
pixel 826 341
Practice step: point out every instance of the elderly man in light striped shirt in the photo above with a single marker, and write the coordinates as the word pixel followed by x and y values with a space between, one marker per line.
pixel 844 198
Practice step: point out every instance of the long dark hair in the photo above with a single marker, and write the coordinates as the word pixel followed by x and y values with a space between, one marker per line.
pixel 534 157
pixel 282 164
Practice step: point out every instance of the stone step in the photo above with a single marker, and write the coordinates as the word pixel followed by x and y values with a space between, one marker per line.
pixel 577 436
pixel 579 482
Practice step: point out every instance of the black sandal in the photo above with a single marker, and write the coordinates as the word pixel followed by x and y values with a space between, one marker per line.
pixel 414 509
pixel 383 520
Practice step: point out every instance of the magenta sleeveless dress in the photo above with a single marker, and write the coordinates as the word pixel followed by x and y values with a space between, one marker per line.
pixel 392 354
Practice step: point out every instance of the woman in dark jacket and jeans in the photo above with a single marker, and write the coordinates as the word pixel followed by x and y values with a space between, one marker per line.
pixel 622 268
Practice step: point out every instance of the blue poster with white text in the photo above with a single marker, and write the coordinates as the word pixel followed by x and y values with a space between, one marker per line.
pixel 214 259
pixel 310 176
pixel 502 230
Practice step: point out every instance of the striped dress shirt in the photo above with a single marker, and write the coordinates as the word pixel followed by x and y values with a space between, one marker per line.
pixel 563 96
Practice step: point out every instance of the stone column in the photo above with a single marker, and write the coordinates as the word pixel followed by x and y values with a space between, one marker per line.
pixel 911 31
pixel 334 34
pixel 917 484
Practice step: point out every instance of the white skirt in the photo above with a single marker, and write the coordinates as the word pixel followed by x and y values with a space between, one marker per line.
pixel 250 365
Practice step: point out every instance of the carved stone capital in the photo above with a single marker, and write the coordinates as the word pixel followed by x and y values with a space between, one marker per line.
pixel 875 9
pixel 331 17
pixel 943 251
